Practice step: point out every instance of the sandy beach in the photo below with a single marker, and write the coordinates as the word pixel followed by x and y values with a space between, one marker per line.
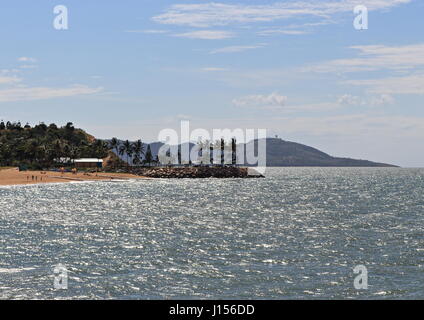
pixel 12 176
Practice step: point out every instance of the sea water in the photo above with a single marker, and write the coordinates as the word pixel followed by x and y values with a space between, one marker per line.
pixel 299 233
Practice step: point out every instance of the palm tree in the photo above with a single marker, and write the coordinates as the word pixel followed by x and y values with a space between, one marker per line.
pixel 127 149
pixel 114 145
pixel 211 153
pixel 121 151
pixel 205 151
pixel 233 151
pixel 138 149
pixel 149 156
pixel 222 151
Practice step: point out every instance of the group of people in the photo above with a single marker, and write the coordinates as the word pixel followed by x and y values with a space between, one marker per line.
pixel 34 178
pixel 74 170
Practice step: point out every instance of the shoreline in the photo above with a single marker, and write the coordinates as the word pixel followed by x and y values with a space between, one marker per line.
pixel 14 177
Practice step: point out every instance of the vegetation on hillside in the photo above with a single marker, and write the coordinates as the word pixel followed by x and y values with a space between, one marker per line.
pixel 44 146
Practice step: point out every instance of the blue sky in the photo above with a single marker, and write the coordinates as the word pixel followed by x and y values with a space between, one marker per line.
pixel 297 68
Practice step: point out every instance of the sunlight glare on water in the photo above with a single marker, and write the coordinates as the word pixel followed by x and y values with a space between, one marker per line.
pixel 296 234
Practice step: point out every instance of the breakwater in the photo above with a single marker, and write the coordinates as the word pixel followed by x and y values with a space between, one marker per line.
pixel 197 172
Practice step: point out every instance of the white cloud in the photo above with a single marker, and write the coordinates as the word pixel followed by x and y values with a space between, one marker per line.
pixel 412 84
pixel 376 57
pixel 9 80
pixel 379 100
pixel 349 100
pixel 383 99
pixel 8 71
pixel 28 66
pixel 281 31
pixel 213 69
pixel 274 100
pixel 206 35
pixel 311 107
pixel 148 31
pixel 295 29
pixel 42 93
pixel 232 49
pixel 358 126
pixel 27 59
pixel 407 60
pixel 220 14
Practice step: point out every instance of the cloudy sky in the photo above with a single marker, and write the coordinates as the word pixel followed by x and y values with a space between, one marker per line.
pixel 297 68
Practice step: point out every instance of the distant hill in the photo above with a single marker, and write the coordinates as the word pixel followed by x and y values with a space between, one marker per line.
pixel 282 153
pixel 43 146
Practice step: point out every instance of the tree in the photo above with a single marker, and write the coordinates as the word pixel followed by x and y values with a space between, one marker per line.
pixel 205 151
pixel 222 151
pixel 40 146
pixel 200 154
pixel 148 155
pixel 100 149
pixel 138 150
pixel 127 149
pixel 69 127
pixel 233 151
pixel 211 153
pixel 114 145
pixel 121 151
pixel 179 155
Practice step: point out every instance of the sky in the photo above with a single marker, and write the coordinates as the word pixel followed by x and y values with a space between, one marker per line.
pixel 299 69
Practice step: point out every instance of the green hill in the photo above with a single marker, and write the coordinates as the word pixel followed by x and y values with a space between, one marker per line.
pixel 44 146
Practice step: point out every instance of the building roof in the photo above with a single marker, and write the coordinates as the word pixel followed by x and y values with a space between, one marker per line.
pixel 88 160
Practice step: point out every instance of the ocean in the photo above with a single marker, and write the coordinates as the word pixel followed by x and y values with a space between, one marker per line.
pixel 297 234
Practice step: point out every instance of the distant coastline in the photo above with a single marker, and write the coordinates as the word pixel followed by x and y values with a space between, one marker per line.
pixel 51 148
pixel 281 153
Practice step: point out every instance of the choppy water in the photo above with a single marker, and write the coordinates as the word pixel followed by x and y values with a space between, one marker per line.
pixel 296 234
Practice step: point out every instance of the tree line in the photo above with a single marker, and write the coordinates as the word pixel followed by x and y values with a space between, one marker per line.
pixel 44 146
pixel 135 152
